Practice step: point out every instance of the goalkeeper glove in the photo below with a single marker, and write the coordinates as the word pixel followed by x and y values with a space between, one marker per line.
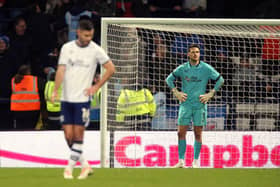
pixel 206 97
pixel 180 95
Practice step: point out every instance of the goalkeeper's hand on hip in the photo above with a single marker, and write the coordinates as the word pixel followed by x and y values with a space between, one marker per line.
pixel 206 97
pixel 181 96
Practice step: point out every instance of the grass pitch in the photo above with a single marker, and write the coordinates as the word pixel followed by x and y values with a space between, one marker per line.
pixel 48 177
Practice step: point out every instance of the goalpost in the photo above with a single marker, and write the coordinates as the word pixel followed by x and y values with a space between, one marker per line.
pixel 243 121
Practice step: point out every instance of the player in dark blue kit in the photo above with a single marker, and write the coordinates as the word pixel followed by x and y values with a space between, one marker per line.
pixel 194 76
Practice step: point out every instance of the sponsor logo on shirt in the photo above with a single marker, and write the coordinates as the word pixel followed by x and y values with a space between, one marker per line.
pixel 79 63
pixel 192 79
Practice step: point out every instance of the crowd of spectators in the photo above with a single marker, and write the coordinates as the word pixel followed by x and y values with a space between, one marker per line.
pixel 32 32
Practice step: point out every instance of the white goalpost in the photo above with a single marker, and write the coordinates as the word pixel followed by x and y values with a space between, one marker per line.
pixel 243 123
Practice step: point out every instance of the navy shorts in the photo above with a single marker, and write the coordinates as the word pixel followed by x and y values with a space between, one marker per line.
pixel 75 113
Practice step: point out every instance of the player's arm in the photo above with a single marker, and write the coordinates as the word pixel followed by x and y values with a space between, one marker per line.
pixel 109 71
pixel 170 82
pixel 206 97
pixel 58 80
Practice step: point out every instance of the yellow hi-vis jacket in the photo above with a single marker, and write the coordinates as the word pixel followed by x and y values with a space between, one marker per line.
pixel 95 106
pixel 55 106
pixel 134 103
pixel 95 102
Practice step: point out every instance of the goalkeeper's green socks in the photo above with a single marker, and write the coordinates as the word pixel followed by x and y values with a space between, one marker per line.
pixel 197 148
pixel 182 148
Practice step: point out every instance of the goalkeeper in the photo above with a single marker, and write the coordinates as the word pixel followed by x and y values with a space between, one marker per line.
pixel 194 76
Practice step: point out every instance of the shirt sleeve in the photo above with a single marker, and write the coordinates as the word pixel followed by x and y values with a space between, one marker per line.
pixel 213 74
pixel 101 56
pixel 172 77
pixel 63 56
pixel 219 83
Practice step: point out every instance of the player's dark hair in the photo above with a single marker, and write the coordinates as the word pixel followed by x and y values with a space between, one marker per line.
pixel 85 24
pixel 193 46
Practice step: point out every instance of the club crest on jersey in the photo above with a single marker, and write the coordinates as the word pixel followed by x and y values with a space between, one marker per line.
pixel 187 78
pixel 71 63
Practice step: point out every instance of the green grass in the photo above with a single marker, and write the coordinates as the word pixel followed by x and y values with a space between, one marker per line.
pixel 46 177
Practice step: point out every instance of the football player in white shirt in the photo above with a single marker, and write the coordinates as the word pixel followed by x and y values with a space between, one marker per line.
pixel 76 68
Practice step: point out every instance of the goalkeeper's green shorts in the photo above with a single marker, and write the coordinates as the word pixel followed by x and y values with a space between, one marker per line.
pixel 189 113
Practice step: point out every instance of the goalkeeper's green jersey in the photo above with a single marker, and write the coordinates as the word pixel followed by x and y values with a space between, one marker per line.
pixel 194 81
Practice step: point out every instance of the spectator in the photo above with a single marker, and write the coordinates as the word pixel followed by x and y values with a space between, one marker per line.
pixel 123 8
pixel 3 17
pixel 166 8
pixel 20 44
pixel 5 67
pixel 132 8
pixel 140 8
pixel 223 64
pixel 159 120
pixel 59 23
pixel 195 8
pixel 6 75
pixel 75 11
pixel 61 7
pixel 136 108
pixel 271 51
pixel 18 7
pixel 103 8
pixel 4 44
pixel 96 20
pixel 160 64
pixel 248 86
pixel 43 38
pixel 245 80
pixel 2 2
pixel 182 43
pixel 27 91
pixel 53 108
pixel 73 16
pixel 273 89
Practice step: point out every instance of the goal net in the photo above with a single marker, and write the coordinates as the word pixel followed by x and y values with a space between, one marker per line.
pixel 243 114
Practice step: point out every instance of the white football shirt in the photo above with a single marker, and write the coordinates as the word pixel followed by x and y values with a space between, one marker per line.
pixel 81 63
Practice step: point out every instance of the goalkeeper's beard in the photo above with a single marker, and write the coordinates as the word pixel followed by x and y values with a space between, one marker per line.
pixel 194 62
